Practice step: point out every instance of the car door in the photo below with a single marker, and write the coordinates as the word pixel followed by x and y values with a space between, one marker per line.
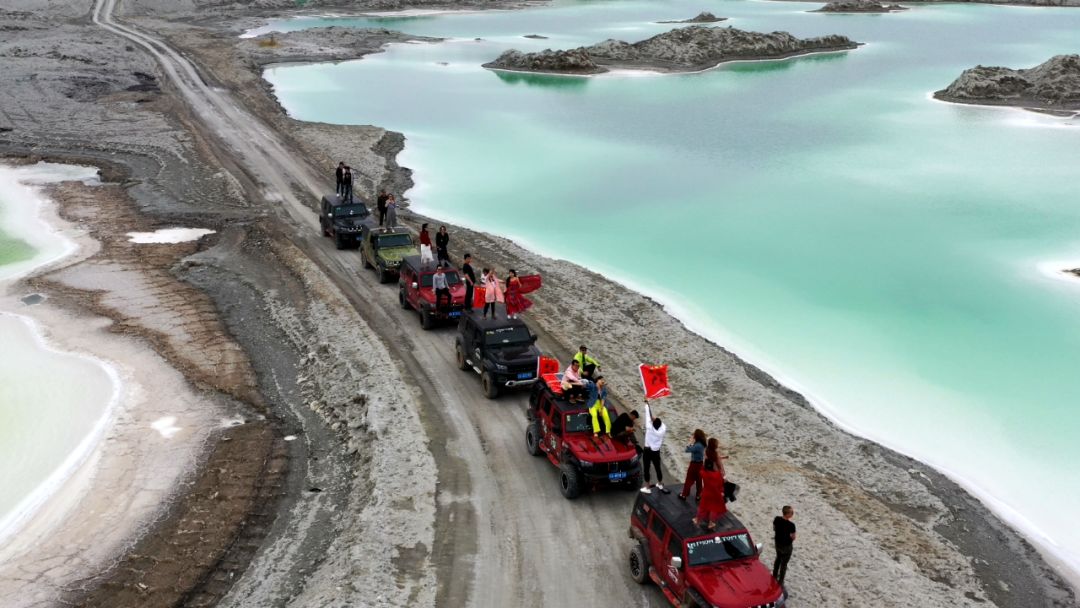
pixel 657 536
pixel 674 577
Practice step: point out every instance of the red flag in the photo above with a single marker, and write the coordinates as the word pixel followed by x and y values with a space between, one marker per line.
pixel 478 297
pixel 654 380
pixel 547 365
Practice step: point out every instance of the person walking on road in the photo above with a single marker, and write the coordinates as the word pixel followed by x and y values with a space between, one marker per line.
pixel 391 212
pixel 339 176
pixel 470 280
pixel 711 505
pixel 346 185
pixel 442 241
pixel 380 204
pixel 655 430
pixel 784 529
pixel 696 449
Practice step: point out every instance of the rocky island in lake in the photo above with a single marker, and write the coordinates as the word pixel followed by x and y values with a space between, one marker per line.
pixel 702 17
pixel 687 49
pixel 859 6
pixel 1052 85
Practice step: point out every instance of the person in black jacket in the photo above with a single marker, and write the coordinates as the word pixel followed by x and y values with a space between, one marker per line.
pixel 380 203
pixel 470 280
pixel 784 529
pixel 442 241
pixel 339 175
pixel 346 185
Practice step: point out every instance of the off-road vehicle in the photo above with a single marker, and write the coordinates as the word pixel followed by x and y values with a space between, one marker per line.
pixel 563 432
pixel 342 221
pixel 383 249
pixel 694 567
pixel 502 351
pixel 416 291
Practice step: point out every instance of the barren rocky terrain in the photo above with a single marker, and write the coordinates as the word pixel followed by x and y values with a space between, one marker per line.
pixel 1052 85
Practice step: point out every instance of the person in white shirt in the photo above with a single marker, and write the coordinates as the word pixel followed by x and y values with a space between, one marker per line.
pixel 655 430
pixel 442 290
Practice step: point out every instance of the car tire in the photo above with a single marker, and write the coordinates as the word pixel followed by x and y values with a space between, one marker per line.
pixel 402 299
pixel 338 242
pixel 363 259
pixel 381 271
pixel 491 388
pixel 532 439
pixel 639 564
pixel 569 481
pixel 427 320
pixel 462 364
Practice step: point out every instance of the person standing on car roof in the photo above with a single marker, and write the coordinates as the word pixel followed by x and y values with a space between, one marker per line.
pixel 597 401
pixel 492 292
pixel 380 203
pixel 470 280
pixel 696 449
pixel 655 430
pixel 425 245
pixel 784 530
pixel 442 289
pixel 442 241
pixel 589 366
pixel 711 505
pixel 391 212
pixel 339 176
pixel 346 185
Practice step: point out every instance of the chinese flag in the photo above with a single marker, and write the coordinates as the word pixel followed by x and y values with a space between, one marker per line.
pixel 546 365
pixel 478 297
pixel 655 381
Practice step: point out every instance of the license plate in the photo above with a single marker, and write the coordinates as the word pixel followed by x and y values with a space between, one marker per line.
pixel 454 313
pixel 525 376
pixel 617 475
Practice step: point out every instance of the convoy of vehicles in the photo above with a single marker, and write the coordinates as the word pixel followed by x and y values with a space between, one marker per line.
pixel 693 567
pixel 416 291
pixel 563 432
pixel 343 221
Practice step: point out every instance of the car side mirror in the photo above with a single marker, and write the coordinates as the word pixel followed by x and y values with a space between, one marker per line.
pixel 413 285
pixel 759 547
pixel 676 562
pixel 533 338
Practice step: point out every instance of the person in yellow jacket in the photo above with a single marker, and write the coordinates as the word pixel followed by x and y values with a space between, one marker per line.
pixel 598 406
pixel 586 363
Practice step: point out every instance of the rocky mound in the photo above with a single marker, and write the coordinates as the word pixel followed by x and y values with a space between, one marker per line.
pixel 680 50
pixel 574 61
pixel 1053 84
pixel 859 6
pixel 702 17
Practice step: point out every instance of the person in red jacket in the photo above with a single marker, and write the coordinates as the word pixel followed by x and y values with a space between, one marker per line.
pixel 711 506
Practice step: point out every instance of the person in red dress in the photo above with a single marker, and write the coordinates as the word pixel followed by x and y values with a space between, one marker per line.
pixel 515 302
pixel 711 506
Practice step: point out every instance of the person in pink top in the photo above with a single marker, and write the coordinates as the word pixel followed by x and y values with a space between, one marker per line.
pixel 492 292
pixel 573 387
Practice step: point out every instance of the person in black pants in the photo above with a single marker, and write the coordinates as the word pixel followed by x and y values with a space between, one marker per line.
pixel 784 530
pixel 346 185
pixel 380 203
pixel 442 241
pixel 339 175
pixel 470 280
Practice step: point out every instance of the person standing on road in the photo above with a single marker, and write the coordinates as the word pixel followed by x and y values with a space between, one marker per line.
pixel 339 176
pixel 470 280
pixel 380 203
pixel 784 529
pixel 391 212
pixel 711 505
pixel 589 366
pixel 696 449
pixel 655 430
pixel 442 289
pixel 346 185
pixel 442 241
pixel 425 245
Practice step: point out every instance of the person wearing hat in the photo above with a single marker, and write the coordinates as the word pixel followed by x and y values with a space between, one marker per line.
pixel 588 365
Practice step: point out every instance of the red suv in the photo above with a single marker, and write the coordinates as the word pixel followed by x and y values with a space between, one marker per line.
pixel 415 291
pixel 563 432
pixel 695 567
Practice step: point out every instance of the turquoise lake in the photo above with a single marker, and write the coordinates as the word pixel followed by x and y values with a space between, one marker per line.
pixel 821 216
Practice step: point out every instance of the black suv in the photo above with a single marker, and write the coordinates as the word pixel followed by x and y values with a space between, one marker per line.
pixel 502 351
pixel 342 221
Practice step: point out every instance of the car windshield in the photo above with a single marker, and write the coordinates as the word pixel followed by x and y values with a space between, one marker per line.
pixel 452 279
pixel 580 422
pixel 395 240
pixel 517 335
pixel 350 210
pixel 719 549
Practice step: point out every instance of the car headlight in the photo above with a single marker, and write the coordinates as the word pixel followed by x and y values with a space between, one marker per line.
pixel 501 367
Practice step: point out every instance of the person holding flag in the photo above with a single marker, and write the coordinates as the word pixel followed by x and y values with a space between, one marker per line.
pixel 655 429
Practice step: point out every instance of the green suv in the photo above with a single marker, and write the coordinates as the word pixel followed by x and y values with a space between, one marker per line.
pixel 383 248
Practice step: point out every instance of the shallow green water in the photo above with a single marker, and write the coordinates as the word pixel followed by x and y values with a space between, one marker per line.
pixel 822 216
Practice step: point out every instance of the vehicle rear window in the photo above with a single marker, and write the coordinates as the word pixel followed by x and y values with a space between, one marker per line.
pixel 452 279
pixel 515 335
pixel 719 549
pixel 350 210
pixel 394 240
